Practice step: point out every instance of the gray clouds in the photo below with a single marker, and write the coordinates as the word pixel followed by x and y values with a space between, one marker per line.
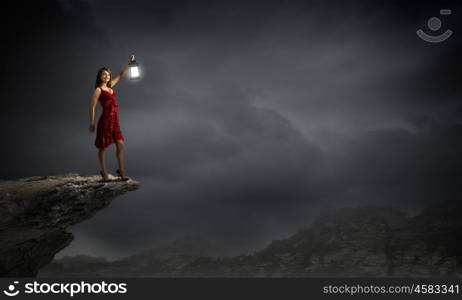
pixel 250 117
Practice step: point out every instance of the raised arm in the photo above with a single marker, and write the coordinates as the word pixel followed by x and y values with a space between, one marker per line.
pixel 122 73
pixel 94 101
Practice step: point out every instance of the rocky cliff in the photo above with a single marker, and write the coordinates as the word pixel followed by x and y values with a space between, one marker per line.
pixel 35 212
pixel 348 242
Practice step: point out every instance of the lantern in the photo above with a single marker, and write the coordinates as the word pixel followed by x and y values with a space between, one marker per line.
pixel 134 70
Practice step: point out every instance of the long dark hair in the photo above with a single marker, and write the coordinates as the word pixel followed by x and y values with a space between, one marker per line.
pixel 98 77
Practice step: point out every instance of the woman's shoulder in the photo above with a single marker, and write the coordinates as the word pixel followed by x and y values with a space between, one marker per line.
pixel 109 90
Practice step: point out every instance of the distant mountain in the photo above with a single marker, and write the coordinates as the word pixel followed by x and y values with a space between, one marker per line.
pixel 347 242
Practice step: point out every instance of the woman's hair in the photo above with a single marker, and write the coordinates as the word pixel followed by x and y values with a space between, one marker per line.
pixel 98 77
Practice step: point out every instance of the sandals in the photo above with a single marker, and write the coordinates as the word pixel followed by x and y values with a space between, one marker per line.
pixel 122 178
pixel 104 178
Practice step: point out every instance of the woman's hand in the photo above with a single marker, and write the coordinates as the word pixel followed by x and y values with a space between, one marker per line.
pixel 92 127
pixel 132 58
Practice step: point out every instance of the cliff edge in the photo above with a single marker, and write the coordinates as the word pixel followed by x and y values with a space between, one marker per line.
pixel 35 212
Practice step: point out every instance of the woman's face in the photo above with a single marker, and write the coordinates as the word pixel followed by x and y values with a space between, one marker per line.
pixel 105 76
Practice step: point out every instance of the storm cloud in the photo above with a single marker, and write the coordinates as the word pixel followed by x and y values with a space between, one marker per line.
pixel 250 116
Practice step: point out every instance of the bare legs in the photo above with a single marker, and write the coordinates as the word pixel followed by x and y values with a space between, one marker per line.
pixel 120 156
pixel 102 163
pixel 120 159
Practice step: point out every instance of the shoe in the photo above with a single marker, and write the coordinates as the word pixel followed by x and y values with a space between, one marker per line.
pixel 122 177
pixel 104 178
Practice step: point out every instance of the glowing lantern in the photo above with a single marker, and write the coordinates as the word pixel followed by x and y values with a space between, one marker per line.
pixel 134 70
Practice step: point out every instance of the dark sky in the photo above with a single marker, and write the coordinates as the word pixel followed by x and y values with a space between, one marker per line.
pixel 251 116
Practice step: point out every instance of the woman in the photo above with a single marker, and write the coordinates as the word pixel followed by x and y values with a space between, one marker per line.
pixel 108 129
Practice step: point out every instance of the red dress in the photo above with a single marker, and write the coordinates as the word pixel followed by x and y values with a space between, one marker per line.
pixel 108 130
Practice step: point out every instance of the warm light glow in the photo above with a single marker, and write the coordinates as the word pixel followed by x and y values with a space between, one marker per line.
pixel 134 72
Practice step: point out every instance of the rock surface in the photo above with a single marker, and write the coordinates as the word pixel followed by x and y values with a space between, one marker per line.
pixel 348 242
pixel 35 211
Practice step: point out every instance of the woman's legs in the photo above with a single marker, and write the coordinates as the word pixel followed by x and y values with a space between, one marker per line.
pixel 120 156
pixel 102 163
